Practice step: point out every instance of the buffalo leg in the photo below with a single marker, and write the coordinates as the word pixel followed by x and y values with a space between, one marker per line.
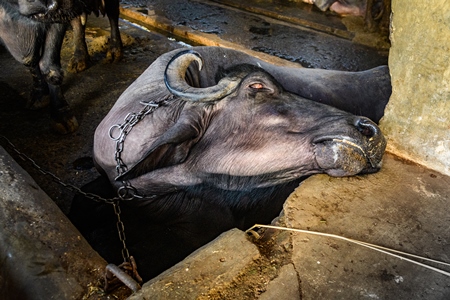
pixel 370 22
pixel 378 16
pixel 50 62
pixel 50 66
pixel 386 17
pixel 24 40
pixel 115 49
pixel 64 121
pixel 39 93
pixel 80 59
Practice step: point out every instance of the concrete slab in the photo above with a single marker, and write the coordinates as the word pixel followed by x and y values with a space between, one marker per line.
pixel 404 207
pixel 309 16
pixel 42 255
pixel 208 268
pixel 284 287
pixel 296 12
pixel 192 36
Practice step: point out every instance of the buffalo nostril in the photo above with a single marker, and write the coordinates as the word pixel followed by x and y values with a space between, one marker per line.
pixel 366 127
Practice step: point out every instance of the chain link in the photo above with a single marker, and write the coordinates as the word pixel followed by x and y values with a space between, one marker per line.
pixel 124 129
pixel 55 178
pixel 117 133
pixel 121 231
pixel 126 191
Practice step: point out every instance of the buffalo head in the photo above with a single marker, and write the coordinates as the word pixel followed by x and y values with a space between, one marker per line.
pixel 224 148
pixel 245 132
pixel 54 11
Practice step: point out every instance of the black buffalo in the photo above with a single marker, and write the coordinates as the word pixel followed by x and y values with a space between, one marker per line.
pixel 33 32
pixel 80 59
pixel 231 138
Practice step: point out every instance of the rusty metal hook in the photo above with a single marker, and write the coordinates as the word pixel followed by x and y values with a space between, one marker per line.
pixel 115 271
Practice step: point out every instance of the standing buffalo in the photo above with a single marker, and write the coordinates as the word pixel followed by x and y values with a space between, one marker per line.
pixel 80 58
pixel 33 32
pixel 211 138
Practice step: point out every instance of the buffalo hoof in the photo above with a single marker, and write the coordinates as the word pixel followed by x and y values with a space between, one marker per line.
pixel 64 122
pixel 347 10
pixel 69 125
pixel 35 103
pixel 78 64
pixel 114 54
pixel 39 97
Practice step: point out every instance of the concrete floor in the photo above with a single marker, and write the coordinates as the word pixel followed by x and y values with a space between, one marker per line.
pixel 211 23
pixel 403 207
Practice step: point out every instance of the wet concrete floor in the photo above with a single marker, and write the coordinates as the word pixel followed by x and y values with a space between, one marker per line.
pixel 272 35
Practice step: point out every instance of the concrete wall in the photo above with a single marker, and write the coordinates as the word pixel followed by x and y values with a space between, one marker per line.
pixel 417 118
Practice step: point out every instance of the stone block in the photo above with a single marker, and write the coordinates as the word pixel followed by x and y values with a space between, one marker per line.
pixel 403 207
pixel 417 118
pixel 283 287
pixel 42 255
pixel 211 266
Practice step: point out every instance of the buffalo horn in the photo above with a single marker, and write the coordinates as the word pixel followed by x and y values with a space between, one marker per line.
pixel 175 80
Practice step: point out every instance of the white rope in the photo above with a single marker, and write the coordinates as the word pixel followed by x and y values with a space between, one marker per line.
pixel 378 248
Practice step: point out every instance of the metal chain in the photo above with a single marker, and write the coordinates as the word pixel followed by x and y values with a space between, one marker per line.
pixel 55 178
pixel 121 231
pixel 124 129
pixel 126 191
pixel 113 201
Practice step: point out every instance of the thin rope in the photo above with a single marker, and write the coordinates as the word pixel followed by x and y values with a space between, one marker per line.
pixel 378 248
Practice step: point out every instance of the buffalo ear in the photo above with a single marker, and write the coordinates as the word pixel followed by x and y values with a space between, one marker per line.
pixel 172 147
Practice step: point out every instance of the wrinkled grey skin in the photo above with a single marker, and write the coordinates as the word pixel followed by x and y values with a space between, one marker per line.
pixel 224 150
pixel 263 132
pixel 60 11
pixel 33 32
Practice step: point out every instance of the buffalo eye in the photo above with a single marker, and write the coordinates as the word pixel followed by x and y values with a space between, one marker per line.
pixel 256 86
